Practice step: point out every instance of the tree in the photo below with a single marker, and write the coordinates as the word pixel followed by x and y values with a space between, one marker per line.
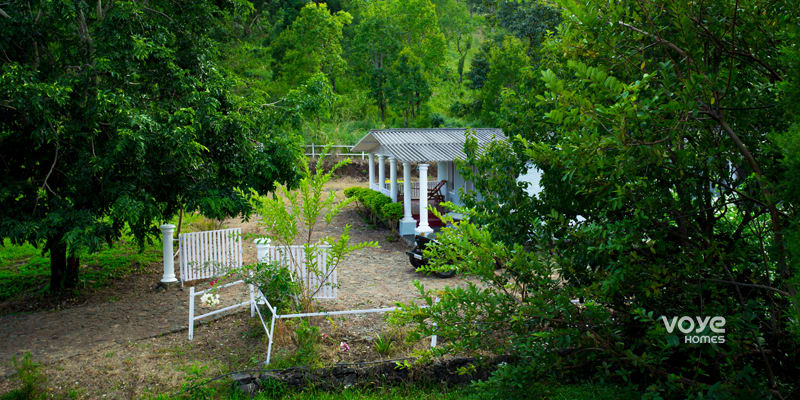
pixel 408 84
pixel 668 138
pixel 506 63
pixel 311 44
pixel 385 29
pixel 457 26
pixel 529 20
pixel 115 117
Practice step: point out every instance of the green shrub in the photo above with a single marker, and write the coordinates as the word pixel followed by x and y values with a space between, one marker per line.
pixel 380 206
pixel 308 339
pixel 275 282
pixel 32 383
pixel 392 211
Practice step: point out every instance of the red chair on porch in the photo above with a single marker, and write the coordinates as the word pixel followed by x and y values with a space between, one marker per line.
pixel 435 193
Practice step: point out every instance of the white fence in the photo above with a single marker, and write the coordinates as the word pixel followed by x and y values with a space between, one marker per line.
pixel 271 330
pixel 321 281
pixel 206 254
pixel 209 254
pixel 414 188
pixel 336 150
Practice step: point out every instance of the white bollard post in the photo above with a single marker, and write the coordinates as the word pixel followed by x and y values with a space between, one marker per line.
pixel 169 260
pixel 262 245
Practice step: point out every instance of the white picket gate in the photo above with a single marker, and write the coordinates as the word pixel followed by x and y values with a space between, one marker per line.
pixel 206 254
pixel 323 284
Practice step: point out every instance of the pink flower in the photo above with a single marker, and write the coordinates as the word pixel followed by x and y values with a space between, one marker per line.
pixel 212 283
pixel 344 347
pixel 323 336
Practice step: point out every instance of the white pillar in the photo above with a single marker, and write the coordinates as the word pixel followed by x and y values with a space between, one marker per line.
pixel 371 170
pixel 407 192
pixel 408 224
pixel 169 260
pixel 381 172
pixel 393 178
pixel 423 229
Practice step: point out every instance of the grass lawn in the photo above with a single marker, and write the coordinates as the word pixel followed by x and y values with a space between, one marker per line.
pixel 565 392
pixel 24 269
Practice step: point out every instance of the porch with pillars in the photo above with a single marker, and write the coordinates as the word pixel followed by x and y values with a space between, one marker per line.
pixel 414 193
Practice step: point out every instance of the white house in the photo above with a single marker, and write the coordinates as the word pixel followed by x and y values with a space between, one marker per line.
pixel 407 146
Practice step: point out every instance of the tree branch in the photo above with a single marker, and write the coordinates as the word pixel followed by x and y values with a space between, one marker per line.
pixel 659 39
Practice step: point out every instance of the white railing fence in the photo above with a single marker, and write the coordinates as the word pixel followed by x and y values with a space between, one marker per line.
pixel 274 311
pixel 336 150
pixel 414 188
pixel 205 255
pixel 319 277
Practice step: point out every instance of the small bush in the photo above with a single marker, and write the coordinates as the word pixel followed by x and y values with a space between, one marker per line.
pixel 275 281
pixel 308 339
pixel 384 344
pixel 379 205
pixel 392 211
pixel 33 384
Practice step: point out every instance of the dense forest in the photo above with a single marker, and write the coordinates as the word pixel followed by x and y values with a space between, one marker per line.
pixel 349 66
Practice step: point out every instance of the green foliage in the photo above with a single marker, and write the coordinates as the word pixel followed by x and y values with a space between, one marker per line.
pixel 379 206
pixel 386 29
pixel 32 383
pixel 24 269
pixel 529 20
pixel 312 44
pixel 666 141
pixel 196 385
pixel 291 217
pixel 275 282
pixel 307 340
pixel 384 344
pixel 117 116
pixel 392 211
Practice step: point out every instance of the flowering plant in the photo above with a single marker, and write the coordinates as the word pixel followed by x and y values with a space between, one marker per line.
pixel 209 299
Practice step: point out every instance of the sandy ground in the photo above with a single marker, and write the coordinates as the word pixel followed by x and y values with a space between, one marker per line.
pixel 130 340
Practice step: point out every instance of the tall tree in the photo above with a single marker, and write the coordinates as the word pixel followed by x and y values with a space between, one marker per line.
pixel 409 86
pixel 385 29
pixel 528 20
pixel 115 116
pixel 313 43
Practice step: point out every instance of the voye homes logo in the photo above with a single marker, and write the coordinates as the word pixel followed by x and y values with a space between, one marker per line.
pixel 694 328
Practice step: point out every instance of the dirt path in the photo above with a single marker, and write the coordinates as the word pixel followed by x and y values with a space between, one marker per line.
pixel 133 311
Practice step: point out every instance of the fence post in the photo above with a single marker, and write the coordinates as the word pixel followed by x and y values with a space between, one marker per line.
pixel 434 338
pixel 312 150
pixel 262 245
pixel 169 256
pixel 191 313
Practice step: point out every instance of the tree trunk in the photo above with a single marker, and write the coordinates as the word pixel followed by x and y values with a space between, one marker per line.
pixel 58 264
pixel 71 276
pixel 63 268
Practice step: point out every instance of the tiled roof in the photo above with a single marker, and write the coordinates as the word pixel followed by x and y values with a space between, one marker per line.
pixel 431 144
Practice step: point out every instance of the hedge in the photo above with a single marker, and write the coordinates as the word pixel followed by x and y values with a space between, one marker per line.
pixel 380 206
